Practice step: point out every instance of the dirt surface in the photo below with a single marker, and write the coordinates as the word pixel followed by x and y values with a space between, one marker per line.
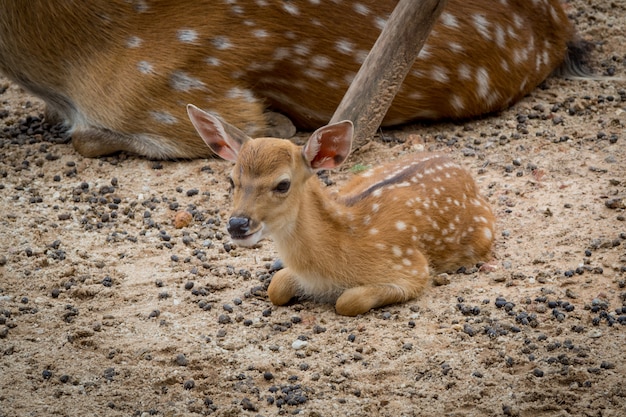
pixel 106 308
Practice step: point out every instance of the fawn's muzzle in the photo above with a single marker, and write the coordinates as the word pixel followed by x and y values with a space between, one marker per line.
pixel 238 227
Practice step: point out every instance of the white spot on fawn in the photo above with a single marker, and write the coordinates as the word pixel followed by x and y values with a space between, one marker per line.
pixel 500 37
pixel 187 35
pixel 301 49
pixel 487 233
pixel 375 207
pixel 373 231
pixel 221 43
pixel 260 33
pixel 145 67
pixel 396 251
pixel 134 42
pixel 281 53
pixel 401 226
pixel 212 61
pixel 464 72
pixel 482 26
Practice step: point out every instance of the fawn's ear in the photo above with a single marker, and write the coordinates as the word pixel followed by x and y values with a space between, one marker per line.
pixel 329 146
pixel 224 139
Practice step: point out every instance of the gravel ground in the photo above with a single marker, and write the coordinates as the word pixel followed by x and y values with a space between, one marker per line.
pixel 112 305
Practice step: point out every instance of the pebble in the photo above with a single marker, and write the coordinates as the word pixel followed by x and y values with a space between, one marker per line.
pixel 224 319
pixel 299 344
pixel 247 405
pixel 181 360
pixel 182 219
pixel 595 334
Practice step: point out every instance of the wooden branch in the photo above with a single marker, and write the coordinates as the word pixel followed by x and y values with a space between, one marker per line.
pixel 370 95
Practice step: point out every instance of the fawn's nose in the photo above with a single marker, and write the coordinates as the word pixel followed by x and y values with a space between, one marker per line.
pixel 238 226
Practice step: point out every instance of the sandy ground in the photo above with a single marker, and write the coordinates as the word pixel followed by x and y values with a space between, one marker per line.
pixel 107 309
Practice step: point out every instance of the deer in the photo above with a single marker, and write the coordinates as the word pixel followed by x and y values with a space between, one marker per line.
pixel 375 242
pixel 119 73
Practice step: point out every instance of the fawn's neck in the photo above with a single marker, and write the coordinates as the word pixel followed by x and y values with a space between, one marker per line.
pixel 319 225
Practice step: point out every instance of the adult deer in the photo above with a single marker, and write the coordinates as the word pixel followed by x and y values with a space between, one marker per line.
pixel 120 72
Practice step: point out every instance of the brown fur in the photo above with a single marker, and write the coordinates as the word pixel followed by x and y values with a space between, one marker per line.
pixel 110 69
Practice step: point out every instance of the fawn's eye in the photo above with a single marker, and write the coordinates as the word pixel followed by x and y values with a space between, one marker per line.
pixel 231 183
pixel 283 186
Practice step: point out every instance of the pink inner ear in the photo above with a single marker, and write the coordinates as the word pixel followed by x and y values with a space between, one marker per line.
pixel 213 133
pixel 329 146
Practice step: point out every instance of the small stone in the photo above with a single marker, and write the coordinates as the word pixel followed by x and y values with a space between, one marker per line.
pixel 595 334
pixel 182 219
pixel 615 203
pixel 181 360
pixel 537 372
pixel 299 344
pixel 469 330
pixel 247 405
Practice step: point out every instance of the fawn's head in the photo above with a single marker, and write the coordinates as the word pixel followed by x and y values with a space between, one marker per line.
pixel 269 175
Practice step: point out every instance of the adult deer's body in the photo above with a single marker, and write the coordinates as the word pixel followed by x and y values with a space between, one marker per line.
pixel 376 242
pixel 121 71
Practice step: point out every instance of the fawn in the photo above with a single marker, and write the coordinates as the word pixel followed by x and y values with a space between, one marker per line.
pixel 120 72
pixel 375 242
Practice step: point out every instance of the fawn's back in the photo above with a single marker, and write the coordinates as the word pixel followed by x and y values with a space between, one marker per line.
pixel 121 71
pixel 423 201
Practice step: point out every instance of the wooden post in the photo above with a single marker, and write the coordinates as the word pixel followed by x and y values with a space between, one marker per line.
pixel 370 95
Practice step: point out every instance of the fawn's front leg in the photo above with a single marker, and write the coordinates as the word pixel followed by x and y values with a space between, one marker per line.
pixel 283 287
